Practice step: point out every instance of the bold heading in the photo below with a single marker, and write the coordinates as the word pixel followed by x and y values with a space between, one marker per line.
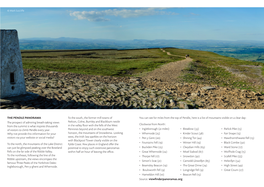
pixel 23 117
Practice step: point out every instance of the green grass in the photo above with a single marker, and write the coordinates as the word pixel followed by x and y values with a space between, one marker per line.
pixel 211 68
pixel 206 68
pixel 97 62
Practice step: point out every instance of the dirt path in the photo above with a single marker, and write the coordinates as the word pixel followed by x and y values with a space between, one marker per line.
pixel 169 72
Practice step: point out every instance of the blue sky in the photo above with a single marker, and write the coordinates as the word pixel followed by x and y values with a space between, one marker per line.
pixel 136 23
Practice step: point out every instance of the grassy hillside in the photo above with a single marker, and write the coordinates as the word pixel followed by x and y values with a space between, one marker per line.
pixel 211 68
pixel 206 68
pixel 96 62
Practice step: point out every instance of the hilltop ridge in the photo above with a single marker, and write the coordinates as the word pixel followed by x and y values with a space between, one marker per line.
pixel 143 78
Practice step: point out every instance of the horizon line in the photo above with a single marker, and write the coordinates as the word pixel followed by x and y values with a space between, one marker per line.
pixel 141 39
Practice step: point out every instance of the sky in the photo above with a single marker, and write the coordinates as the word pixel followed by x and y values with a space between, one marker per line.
pixel 136 23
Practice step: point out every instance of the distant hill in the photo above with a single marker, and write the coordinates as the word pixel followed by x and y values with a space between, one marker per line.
pixel 244 50
pixel 79 43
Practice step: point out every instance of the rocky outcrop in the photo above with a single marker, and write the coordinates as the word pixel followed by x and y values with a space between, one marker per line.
pixel 77 91
pixel 90 93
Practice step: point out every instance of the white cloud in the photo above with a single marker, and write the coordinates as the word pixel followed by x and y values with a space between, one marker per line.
pixel 124 13
pixel 90 16
pixel 194 14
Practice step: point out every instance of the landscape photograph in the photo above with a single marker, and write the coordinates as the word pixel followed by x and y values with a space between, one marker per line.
pixel 132 58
